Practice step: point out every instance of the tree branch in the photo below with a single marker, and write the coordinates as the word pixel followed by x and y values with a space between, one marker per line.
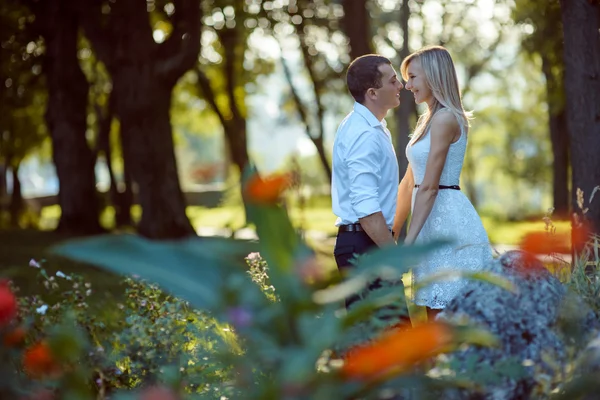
pixel 310 68
pixel 101 37
pixel 209 94
pixel 230 40
pixel 180 51
pixel 299 106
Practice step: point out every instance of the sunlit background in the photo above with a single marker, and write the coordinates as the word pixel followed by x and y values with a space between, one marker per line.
pixel 275 72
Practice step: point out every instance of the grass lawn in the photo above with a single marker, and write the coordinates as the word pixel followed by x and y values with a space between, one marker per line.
pixel 322 219
pixel 316 218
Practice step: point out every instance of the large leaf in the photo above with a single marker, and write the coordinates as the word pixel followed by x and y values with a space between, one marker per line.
pixel 192 269
pixel 387 263
pixel 279 241
pixel 393 261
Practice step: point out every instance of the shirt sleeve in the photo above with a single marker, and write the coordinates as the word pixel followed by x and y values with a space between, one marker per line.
pixel 363 160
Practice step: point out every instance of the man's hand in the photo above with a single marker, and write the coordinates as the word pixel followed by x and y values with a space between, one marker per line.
pixel 377 229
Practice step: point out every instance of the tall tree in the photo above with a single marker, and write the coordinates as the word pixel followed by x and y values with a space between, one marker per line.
pixel 356 24
pixel 581 24
pixel 226 95
pixel 546 41
pixel 22 100
pixel 144 73
pixel 407 108
pixel 66 117
pixel 321 74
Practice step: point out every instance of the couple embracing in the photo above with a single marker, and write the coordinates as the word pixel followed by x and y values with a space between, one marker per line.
pixel 371 204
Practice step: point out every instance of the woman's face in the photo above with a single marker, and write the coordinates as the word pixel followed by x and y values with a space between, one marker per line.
pixel 417 83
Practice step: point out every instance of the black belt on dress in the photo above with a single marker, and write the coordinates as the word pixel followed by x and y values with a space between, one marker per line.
pixel 455 187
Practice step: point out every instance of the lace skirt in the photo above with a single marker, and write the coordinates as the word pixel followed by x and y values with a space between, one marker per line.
pixel 452 217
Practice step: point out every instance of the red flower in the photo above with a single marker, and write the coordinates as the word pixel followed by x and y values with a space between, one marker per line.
pixel 14 338
pixel 267 190
pixel 39 361
pixel 8 305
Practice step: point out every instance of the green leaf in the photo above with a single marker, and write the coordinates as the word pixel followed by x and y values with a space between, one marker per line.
pixel 387 263
pixel 192 269
pixel 279 241
pixel 391 262
pixel 482 276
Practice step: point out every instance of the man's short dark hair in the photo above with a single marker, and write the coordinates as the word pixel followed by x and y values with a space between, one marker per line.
pixel 363 74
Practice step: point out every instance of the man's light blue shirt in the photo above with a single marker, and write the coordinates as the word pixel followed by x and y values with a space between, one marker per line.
pixel 365 170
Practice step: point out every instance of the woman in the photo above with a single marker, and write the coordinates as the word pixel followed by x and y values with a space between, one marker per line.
pixel 435 153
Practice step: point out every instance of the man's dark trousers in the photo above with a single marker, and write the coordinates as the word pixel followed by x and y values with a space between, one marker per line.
pixel 347 245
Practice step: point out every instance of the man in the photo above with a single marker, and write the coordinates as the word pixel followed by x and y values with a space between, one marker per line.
pixel 365 178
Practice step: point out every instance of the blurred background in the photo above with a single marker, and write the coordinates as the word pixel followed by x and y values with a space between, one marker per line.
pixel 123 116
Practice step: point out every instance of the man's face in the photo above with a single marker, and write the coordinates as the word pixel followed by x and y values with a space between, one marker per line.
pixel 388 95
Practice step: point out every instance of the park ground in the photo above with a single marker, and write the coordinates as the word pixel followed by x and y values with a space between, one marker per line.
pixel 17 247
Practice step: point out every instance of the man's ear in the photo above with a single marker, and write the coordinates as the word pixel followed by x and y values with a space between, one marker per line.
pixel 371 94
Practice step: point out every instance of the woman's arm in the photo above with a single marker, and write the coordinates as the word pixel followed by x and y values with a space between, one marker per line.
pixel 444 129
pixel 405 190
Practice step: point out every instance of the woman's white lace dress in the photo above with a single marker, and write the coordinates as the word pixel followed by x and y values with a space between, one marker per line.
pixel 453 217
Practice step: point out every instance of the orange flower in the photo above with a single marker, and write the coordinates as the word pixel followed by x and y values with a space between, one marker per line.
pixel 14 338
pixel 267 190
pixel 398 350
pixel 39 361
pixel 546 243
pixel 8 305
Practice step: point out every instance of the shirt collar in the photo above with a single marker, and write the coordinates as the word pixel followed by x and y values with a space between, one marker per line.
pixel 368 115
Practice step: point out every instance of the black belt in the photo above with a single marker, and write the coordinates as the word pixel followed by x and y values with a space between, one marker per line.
pixel 351 228
pixel 455 187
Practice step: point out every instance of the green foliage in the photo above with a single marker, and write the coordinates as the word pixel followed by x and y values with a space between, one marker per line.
pixel 542 23
pixel 22 99
pixel 223 324
pixel 585 274
pixel 284 325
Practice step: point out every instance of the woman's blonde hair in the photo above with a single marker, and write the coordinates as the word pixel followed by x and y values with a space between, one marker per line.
pixel 440 76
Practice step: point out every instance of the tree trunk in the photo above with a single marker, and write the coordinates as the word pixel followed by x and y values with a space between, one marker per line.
pixel 560 167
pixel 356 26
pixel 143 105
pixel 144 74
pixel 235 131
pixel 323 157
pixel 559 138
pixel 407 108
pixel 126 191
pixel 117 197
pixel 66 120
pixel 3 189
pixel 16 198
pixel 581 23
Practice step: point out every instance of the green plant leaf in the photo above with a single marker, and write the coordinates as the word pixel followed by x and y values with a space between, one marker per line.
pixel 391 262
pixel 192 269
pixel 482 276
